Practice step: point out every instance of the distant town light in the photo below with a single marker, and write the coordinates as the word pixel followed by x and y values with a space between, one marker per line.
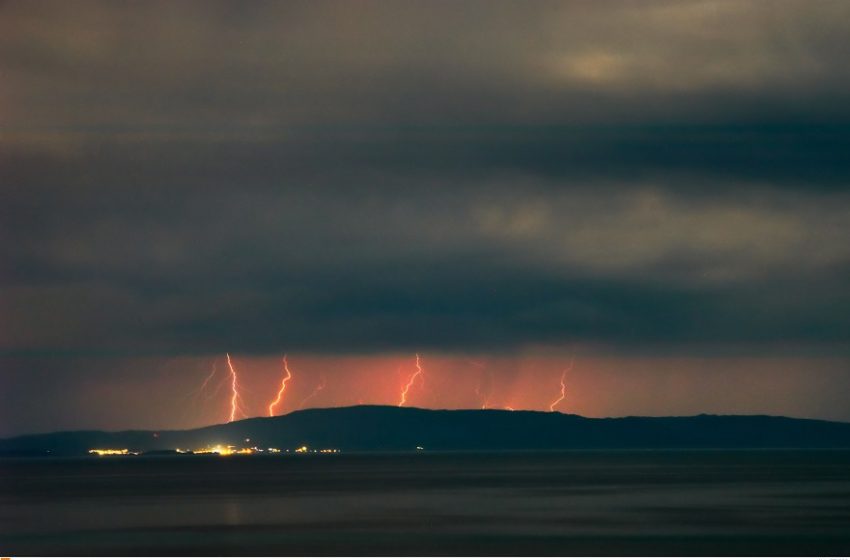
pixel 102 452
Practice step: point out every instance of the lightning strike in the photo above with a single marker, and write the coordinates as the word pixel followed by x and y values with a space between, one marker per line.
pixel 208 378
pixel 563 387
pixel 218 388
pixel 234 390
pixel 410 382
pixel 484 389
pixel 319 388
pixel 200 394
pixel 286 377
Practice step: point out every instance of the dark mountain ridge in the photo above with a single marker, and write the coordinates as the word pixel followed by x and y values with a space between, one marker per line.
pixel 389 428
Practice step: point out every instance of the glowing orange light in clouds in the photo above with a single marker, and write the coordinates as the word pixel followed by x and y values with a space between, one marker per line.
pixel 413 377
pixel 234 390
pixel 563 387
pixel 282 390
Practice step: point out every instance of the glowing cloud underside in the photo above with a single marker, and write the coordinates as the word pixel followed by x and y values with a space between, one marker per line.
pixel 410 382
pixel 286 377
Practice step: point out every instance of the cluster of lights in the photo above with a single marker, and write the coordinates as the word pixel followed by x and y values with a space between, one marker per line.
pixel 305 449
pixel 102 452
pixel 220 450
pixel 225 450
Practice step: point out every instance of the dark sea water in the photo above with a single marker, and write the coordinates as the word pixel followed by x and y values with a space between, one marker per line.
pixel 572 503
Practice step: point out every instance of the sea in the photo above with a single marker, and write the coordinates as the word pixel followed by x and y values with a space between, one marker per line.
pixel 612 503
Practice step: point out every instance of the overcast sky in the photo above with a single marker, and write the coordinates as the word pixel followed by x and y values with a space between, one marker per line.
pixel 627 180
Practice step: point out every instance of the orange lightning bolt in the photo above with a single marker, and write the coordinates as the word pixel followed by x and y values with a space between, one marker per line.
pixel 479 389
pixel 200 390
pixel 234 390
pixel 485 397
pixel 410 382
pixel 218 388
pixel 319 388
pixel 287 377
pixel 485 382
pixel 209 378
pixel 563 387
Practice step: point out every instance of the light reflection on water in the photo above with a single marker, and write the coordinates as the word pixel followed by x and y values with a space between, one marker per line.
pixel 675 502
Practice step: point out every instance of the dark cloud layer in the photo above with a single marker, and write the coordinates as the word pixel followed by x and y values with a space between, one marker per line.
pixel 188 177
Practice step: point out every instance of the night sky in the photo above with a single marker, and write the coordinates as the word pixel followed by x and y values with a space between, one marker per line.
pixel 655 190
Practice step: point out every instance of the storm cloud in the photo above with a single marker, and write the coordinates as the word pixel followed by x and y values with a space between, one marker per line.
pixel 188 178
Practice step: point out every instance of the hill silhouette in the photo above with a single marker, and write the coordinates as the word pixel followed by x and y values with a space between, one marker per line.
pixel 389 428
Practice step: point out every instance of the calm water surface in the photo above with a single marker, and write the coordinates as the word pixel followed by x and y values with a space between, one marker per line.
pixel 575 503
